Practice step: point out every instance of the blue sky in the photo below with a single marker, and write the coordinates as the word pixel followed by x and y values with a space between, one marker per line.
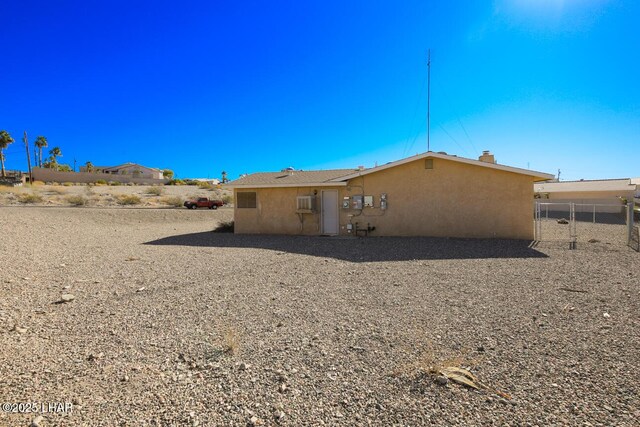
pixel 248 86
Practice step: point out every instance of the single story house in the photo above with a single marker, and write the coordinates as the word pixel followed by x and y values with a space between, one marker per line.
pixel 430 194
pixel 133 170
pixel 610 194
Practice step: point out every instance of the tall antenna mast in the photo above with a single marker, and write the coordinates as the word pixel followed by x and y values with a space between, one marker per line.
pixel 429 100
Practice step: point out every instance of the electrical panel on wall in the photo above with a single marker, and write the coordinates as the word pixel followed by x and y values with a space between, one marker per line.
pixel 383 201
pixel 356 202
pixel 368 201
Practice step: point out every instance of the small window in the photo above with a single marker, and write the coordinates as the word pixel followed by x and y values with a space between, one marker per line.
pixel 246 199
pixel 428 164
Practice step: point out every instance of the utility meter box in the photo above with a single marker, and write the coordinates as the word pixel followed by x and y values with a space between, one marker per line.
pixel 368 201
pixel 356 202
pixel 383 201
pixel 346 202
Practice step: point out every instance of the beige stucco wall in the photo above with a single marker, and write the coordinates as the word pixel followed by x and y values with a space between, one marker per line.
pixel 51 175
pixel 451 200
pixel 275 212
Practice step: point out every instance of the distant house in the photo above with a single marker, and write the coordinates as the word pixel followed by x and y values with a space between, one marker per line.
pixel 431 194
pixel 133 170
pixel 611 192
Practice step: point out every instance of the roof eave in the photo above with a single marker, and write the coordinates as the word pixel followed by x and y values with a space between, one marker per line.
pixel 537 176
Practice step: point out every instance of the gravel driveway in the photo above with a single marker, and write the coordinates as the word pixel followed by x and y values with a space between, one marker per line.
pixel 168 324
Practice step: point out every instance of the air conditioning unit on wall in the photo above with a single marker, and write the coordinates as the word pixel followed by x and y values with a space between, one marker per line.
pixel 306 203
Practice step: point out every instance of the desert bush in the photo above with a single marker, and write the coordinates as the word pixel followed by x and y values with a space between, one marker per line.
pixel 37 183
pixel 156 190
pixel 224 227
pixel 172 201
pixel 29 198
pixel 176 182
pixel 206 185
pixel 101 182
pixel 128 199
pixel 227 198
pixel 76 200
pixel 115 183
pixel 57 190
pixel 67 184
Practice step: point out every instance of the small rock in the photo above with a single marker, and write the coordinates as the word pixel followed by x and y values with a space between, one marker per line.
pixel 244 366
pixel 93 357
pixel 563 221
pixel 442 380
pixel 67 297
pixel 36 421
pixel 279 415
pixel 282 388
pixel 140 289
pixel 19 329
pixel 77 401
pixel 254 421
pixel 606 315
pixel 125 378
pixel 480 349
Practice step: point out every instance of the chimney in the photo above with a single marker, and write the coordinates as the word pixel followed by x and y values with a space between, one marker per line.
pixel 487 157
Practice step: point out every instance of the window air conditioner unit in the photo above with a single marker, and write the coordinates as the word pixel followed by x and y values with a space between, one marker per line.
pixel 305 204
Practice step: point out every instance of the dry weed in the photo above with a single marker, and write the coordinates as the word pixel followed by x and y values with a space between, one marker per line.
pixel 76 200
pixel 155 190
pixel 174 201
pixel 231 341
pixel 128 199
pixel 29 198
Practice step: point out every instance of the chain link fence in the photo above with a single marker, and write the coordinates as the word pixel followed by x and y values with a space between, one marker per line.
pixel 582 223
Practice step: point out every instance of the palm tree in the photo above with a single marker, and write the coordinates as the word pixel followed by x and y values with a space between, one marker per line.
pixel 41 141
pixel 88 167
pixel 5 140
pixel 224 177
pixel 55 153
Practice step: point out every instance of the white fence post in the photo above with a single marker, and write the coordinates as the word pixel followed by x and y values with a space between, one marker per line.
pixel 629 222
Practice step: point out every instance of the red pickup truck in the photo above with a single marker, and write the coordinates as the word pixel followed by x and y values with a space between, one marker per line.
pixel 203 202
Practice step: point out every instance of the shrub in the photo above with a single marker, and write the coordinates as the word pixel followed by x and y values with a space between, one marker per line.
pixel 115 183
pixel 224 227
pixel 37 183
pixel 58 190
pixel 174 201
pixel 156 190
pixel 230 341
pixel 128 199
pixel 101 182
pixel 76 200
pixel 176 182
pixel 206 185
pixel 67 184
pixel 29 198
pixel 227 198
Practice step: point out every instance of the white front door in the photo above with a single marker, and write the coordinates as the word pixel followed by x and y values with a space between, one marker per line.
pixel 329 212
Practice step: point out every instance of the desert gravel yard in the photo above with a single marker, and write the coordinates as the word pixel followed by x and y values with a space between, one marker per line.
pixel 169 324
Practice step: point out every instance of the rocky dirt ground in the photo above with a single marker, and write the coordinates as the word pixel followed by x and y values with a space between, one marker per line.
pixel 107 195
pixel 169 324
